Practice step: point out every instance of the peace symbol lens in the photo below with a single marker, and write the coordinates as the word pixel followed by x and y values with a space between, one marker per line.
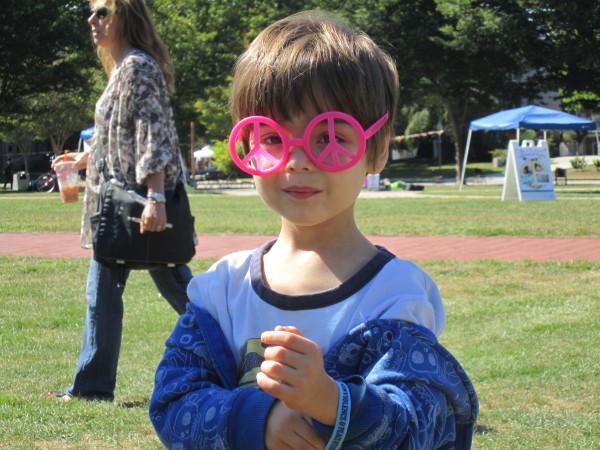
pixel 333 141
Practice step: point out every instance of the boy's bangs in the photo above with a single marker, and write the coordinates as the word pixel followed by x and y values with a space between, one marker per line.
pixel 304 90
pixel 315 98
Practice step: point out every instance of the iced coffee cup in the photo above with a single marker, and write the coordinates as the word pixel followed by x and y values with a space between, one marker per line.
pixel 68 181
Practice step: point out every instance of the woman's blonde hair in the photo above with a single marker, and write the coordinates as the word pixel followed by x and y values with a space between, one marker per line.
pixel 314 62
pixel 137 28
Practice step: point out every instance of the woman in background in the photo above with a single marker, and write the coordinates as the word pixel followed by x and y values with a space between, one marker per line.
pixel 136 136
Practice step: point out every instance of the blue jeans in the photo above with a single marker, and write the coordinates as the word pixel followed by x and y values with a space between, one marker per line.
pixel 96 374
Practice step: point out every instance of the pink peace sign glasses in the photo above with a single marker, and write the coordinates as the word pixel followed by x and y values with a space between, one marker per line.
pixel 333 141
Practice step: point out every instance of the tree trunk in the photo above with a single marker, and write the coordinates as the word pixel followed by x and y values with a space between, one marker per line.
pixel 456 118
pixel 23 151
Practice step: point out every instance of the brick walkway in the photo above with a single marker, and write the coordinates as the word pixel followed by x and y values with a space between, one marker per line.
pixel 66 245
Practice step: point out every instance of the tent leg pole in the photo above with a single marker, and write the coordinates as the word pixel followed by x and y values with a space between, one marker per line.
pixel 464 166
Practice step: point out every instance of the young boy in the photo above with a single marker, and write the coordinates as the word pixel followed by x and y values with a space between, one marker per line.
pixel 318 339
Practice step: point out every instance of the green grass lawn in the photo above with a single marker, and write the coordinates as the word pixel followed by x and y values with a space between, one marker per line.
pixel 526 332
pixel 438 210
pixel 407 169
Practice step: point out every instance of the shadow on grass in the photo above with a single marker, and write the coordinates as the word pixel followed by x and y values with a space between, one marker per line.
pixel 135 404
pixel 483 429
pixel 581 192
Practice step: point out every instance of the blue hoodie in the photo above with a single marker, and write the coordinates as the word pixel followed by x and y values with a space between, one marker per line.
pixel 407 391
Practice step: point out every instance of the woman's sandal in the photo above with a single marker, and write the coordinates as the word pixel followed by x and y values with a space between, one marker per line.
pixel 61 396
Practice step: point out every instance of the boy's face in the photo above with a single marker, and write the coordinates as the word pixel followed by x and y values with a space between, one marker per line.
pixel 304 194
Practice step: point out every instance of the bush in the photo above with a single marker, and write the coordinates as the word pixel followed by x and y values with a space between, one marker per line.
pixel 597 164
pixel 499 155
pixel 579 163
pixel 222 158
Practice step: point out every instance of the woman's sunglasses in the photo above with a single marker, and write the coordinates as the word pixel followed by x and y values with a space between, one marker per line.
pixel 101 13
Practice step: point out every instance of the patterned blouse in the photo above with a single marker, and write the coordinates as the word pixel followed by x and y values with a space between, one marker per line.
pixel 134 130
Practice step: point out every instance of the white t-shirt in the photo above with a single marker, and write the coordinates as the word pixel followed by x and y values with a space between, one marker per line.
pixel 234 293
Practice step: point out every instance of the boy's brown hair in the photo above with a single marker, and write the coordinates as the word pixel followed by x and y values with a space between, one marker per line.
pixel 312 62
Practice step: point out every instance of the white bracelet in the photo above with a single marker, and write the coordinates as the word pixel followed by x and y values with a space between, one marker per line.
pixel 342 421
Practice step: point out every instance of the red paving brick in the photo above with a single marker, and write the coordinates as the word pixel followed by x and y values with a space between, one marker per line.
pixel 66 245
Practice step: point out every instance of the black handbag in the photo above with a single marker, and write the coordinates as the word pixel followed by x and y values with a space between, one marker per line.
pixel 116 230
pixel 116 234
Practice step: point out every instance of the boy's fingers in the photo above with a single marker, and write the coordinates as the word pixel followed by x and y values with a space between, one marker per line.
pixel 277 337
pixel 281 335
pixel 289 328
pixel 286 339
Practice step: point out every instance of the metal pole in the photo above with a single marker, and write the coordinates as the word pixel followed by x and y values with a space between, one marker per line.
pixel 192 139
pixel 464 167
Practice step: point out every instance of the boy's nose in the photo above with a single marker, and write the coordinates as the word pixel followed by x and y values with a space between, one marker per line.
pixel 297 159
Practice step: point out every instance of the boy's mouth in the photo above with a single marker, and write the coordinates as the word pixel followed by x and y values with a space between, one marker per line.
pixel 301 191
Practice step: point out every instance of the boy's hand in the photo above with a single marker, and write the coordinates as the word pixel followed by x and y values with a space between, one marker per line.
pixel 287 429
pixel 293 372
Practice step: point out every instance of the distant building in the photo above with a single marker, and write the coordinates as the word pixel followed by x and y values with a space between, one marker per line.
pixel 37 155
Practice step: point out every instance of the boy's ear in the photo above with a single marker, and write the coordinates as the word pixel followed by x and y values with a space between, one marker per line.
pixel 382 159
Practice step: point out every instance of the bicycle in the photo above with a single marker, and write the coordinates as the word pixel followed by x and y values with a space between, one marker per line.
pixel 47 182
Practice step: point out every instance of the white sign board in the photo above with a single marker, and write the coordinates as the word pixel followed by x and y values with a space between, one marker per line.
pixel 528 172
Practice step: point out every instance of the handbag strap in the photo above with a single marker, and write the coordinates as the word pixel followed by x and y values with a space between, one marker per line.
pixel 101 161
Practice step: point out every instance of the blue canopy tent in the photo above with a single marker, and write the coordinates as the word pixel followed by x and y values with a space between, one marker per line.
pixel 84 138
pixel 529 117
pixel 87 133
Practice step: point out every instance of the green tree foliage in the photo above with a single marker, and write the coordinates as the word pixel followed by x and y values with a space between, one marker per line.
pixel 222 159
pixel 419 121
pixel 57 115
pixel 21 132
pixel 213 113
pixel 572 33
pixel 582 102
pixel 457 54
pixel 457 59
pixel 48 71
pixel 204 39
pixel 43 47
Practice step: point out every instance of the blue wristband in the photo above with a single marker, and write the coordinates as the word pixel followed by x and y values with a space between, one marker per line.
pixel 342 421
